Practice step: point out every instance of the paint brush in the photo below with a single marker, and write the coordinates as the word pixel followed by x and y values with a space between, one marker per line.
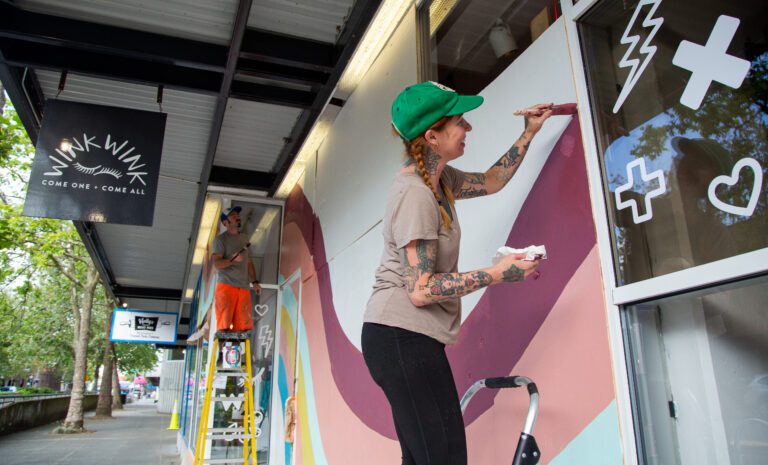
pixel 561 109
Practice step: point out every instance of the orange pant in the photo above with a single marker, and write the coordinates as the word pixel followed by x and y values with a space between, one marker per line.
pixel 233 308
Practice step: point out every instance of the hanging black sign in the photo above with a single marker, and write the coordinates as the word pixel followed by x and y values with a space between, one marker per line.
pixel 96 163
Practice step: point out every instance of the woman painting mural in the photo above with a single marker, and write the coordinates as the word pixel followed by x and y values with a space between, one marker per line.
pixel 415 308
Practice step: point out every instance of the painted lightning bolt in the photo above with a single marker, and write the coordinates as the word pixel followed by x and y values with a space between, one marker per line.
pixel 637 68
pixel 265 338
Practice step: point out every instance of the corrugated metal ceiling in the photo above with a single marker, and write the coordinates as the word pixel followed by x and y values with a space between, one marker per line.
pixel 293 75
pixel 204 20
pixel 252 134
pixel 319 20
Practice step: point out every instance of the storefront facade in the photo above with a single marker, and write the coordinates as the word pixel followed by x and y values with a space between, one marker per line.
pixel 646 331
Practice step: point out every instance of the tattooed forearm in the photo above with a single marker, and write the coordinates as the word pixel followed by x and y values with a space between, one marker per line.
pixel 425 286
pixel 503 170
pixel 513 274
pixel 474 178
pixel 509 159
pixel 471 192
pixel 441 285
pixel 473 186
pixel 525 141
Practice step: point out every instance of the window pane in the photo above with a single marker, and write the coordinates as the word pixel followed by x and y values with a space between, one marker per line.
pixel 261 224
pixel 470 42
pixel 678 91
pixel 700 369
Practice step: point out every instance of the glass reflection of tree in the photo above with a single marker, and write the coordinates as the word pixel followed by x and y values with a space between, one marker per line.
pixel 735 120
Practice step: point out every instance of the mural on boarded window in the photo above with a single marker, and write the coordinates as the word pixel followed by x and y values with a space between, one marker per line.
pixel 552 329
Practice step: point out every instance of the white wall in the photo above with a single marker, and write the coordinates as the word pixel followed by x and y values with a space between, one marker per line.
pixel 355 167
pixel 494 131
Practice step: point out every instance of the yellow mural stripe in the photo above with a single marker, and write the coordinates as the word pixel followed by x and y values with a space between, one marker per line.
pixel 305 446
pixel 289 333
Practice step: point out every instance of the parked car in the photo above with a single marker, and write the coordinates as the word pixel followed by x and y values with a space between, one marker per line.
pixel 7 388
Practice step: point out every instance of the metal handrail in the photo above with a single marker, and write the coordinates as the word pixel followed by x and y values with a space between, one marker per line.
pixel 9 399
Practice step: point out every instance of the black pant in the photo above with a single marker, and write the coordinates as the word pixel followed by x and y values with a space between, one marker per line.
pixel 414 373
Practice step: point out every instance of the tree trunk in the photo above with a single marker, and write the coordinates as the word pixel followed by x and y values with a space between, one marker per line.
pixel 2 97
pixel 96 373
pixel 104 406
pixel 74 420
pixel 117 403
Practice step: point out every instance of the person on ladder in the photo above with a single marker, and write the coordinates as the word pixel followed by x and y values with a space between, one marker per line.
pixel 235 275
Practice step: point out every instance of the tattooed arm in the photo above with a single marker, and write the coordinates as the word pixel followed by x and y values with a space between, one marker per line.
pixel 424 286
pixel 498 175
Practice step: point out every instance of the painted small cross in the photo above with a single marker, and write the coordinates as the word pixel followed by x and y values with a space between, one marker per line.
pixel 657 176
pixel 710 62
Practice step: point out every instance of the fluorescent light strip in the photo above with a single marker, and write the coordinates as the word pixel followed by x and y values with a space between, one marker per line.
pixel 377 35
pixel 438 11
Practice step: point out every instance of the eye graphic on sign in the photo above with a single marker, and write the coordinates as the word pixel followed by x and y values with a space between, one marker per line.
pixel 644 54
pixel 89 149
pixel 97 170
pixel 732 180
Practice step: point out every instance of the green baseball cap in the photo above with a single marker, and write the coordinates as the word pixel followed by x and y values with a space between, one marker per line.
pixel 421 105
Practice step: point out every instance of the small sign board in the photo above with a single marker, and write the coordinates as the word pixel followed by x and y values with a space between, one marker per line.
pixel 96 163
pixel 144 326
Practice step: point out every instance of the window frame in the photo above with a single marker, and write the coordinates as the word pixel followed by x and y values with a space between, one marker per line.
pixel 737 268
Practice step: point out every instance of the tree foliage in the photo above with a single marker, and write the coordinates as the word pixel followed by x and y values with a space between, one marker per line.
pixel 47 280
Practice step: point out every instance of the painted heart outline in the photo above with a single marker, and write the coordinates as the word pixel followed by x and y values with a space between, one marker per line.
pixel 731 181
pixel 261 309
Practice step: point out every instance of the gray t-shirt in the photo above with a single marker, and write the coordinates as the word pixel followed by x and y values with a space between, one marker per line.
pixel 227 245
pixel 412 213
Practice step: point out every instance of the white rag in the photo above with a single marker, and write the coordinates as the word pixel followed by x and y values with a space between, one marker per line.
pixel 532 252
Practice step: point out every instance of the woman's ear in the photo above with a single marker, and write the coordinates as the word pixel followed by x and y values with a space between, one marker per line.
pixel 431 136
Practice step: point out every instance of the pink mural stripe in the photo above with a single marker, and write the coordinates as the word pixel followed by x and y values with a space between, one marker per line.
pixel 354 382
pixel 556 213
pixel 569 360
pixel 345 439
pixel 495 335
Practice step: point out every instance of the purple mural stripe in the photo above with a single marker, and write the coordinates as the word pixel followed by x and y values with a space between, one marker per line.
pixel 557 213
pixel 360 392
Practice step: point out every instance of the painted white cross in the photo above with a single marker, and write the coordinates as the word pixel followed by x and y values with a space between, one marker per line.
pixel 710 62
pixel 657 176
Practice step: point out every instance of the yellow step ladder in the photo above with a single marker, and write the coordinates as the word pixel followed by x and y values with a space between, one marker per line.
pixel 248 432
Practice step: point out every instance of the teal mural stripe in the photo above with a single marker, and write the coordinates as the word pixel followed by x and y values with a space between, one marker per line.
pixel 282 387
pixel 597 444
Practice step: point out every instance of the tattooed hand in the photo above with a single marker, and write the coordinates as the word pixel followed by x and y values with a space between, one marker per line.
pixel 513 268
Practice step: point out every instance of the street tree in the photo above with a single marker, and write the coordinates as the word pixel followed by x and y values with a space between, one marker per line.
pixel 45 251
